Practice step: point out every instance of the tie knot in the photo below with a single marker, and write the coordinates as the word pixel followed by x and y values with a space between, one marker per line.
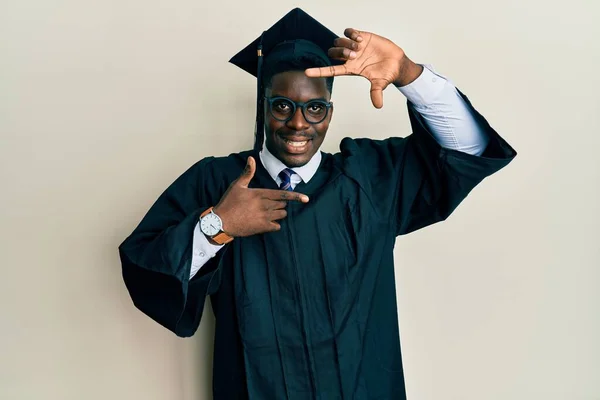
pixel 286 179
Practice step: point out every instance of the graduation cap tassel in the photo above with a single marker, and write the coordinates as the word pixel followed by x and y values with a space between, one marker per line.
pixel 260 124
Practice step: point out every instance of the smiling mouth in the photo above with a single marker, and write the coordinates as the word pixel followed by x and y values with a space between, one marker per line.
pixel 295 144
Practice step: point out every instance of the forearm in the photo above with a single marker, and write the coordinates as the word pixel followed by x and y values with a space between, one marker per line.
pixel 446 114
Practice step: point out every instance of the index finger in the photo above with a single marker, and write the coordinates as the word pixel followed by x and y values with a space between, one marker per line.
pixel 353 34
pixel 285 195
pixel 326 72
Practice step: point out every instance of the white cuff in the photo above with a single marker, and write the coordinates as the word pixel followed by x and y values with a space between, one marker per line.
pixel 202 251
pixel 424 90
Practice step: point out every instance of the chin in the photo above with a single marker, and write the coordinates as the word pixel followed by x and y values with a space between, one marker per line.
pixel 291 161
pixel 295 163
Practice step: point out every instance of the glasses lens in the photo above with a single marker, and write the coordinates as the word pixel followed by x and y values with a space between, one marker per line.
pixel 315 111
pixel 282 109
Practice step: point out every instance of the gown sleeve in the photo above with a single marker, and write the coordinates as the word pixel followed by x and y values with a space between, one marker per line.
pixel 156 257
pixel 414 182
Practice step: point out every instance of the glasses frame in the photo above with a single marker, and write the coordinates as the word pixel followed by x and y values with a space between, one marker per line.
pixel 296 105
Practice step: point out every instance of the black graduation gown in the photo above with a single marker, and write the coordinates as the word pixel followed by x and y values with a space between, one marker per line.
pixel 308 312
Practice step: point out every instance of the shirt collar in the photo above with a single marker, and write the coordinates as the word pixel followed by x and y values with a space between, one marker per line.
pixel 274 166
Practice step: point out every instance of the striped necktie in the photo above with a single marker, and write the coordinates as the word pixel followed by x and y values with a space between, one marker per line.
pixel 286 179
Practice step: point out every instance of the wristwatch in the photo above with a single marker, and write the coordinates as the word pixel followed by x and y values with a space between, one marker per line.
pixel 212 226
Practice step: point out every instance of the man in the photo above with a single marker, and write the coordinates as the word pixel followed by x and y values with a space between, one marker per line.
pixel 297 251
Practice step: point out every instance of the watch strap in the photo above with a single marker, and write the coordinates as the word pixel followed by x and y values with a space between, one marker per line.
pixel 205 213
pixel 222 238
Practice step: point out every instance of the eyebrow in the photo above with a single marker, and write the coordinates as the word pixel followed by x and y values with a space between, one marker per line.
pixel 309 100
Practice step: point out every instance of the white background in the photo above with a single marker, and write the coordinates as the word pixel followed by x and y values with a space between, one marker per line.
pixel 104 103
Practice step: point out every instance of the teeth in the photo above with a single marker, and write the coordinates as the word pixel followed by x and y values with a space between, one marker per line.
pixel 296 144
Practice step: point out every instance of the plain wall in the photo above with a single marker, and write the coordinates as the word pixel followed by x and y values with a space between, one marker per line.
pixel 103 104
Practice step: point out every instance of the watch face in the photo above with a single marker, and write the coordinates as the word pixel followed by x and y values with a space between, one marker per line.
pixel 210 224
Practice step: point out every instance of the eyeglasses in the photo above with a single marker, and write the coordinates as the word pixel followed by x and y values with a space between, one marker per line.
pixel 283 109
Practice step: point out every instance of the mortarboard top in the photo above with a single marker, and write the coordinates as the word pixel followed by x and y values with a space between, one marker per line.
pixel 295 36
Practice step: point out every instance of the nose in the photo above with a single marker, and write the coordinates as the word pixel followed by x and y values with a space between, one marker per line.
pixel 298 122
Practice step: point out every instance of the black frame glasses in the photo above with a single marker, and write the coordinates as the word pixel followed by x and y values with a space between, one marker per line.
pixel 303 106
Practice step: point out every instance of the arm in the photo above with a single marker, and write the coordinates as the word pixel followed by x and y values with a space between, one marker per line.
pixel 445 113
pixel 419 180
pixel 414 182
pixel 156 257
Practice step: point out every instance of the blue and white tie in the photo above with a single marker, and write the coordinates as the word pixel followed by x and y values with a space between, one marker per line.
pixel 286 179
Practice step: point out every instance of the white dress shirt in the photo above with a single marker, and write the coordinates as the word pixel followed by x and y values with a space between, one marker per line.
pixel 433 96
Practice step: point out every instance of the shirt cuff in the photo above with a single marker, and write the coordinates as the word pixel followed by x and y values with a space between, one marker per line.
pixel 426 89
pixel 202 250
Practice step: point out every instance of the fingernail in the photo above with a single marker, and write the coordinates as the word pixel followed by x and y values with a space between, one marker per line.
pixel 352 54
pixel 305 199
pixel 359 39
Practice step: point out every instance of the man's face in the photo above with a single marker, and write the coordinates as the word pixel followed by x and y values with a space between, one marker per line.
pixel 285 140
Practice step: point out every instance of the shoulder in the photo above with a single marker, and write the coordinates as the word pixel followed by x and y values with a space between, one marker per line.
pixel 364 150
pixel 364 159
pixel 220 166
pixel 213 172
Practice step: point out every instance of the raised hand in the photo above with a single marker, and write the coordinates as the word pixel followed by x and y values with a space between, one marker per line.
pixel 371 56
pixel 247 212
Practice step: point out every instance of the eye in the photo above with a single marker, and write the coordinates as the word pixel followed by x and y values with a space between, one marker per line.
pixel 282 106
pixel 316 107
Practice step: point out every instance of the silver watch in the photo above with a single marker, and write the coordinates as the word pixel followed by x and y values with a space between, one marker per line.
pixel 211 224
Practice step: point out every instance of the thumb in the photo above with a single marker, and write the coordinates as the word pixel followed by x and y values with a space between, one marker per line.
pixel 248 173
pixel 377 94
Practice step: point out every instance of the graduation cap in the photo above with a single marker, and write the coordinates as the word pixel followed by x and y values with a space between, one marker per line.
pixel 295 40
